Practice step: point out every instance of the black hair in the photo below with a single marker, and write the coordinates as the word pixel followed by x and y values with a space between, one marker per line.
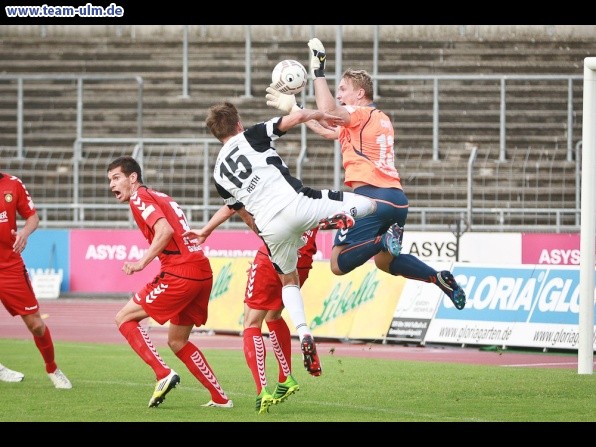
pixel 128 166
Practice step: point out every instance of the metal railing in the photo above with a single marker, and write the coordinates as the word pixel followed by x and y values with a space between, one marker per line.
pixel 80 85
pixel 436 79
pixel 162 159
pixel 80 216
pixel 79 211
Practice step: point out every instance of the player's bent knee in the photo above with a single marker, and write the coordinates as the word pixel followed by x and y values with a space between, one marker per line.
pixel 176 344
pixel 383 261
pixel 336 271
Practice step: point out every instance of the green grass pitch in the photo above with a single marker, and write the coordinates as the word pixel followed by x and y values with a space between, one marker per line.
pixel 111 384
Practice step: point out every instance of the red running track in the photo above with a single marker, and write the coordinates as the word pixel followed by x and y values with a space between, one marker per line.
pixel 91 320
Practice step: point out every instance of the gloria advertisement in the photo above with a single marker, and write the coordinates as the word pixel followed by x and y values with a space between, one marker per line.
pixel 529 305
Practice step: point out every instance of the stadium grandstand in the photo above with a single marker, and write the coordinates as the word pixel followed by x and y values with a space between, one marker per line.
pixel 488 119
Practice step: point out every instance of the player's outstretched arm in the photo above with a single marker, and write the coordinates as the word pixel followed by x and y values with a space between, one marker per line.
pixel 220 216
pixel 287 103
pixel 248 219
pixel 327 133
pixel 300 116
pixel 323 97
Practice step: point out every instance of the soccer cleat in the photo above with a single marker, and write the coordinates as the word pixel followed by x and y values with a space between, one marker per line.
pixel 59 380
pixel 284 390
pixel 339 221
pixel 447 283
pixel 8 375
pixel 311 358
pixel 264 401
pixel 163 387
pixel 228 404
pixel 392 239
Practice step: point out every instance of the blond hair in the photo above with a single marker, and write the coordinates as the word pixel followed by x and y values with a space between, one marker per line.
pixel 360 79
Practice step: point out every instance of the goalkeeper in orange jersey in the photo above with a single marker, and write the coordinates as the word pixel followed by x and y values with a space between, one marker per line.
pixel 366 136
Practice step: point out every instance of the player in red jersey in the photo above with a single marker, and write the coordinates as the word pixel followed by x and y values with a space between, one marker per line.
pixel 263 302
pixel 366 136
pixel 16 292
pixel 178 294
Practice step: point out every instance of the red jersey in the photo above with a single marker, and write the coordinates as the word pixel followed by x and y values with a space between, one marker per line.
pixel 147 206
pixel 367 148
pixel 263 289
pixel 14 198
pixel 306 253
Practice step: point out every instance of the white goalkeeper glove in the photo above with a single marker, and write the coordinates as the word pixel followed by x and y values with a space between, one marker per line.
pixel 285 103
pixel 317 58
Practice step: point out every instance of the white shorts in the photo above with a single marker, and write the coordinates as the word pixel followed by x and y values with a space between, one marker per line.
pixel 283 233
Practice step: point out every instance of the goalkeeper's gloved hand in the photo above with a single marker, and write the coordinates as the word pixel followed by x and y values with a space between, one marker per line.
pixel 279 100
pixel 317 58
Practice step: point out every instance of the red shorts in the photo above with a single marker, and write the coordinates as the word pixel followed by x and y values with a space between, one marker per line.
pixel 16 292
pixel 179 295
pixel 263 288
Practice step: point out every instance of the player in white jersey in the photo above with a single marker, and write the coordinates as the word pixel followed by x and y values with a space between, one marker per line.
pixel 250 173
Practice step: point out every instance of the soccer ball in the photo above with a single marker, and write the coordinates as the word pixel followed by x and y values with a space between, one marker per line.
pixel 289 77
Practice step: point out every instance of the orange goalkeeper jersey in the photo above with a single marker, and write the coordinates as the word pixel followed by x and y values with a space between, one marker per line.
pixel 367 148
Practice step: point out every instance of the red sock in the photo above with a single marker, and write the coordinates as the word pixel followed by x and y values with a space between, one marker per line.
pixel 196 363
pixel 281 340
pixel 140 342
pixel 46 348
pixel 255 355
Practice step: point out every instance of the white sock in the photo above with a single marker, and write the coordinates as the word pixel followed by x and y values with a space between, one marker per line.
pixel 292 299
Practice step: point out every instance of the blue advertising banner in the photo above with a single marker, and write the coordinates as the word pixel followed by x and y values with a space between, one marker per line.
pixel 526 305
pixel 49 249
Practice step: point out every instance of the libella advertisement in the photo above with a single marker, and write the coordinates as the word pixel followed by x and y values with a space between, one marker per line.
pixel 358 305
